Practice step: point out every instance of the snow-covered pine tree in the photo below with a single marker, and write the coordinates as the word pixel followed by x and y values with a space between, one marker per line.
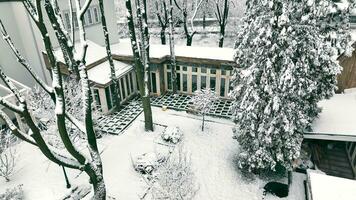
pixel 286 55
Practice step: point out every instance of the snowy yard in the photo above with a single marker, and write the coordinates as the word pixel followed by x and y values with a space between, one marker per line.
pixel 213 155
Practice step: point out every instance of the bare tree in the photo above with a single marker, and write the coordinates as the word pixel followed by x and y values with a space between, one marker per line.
pixel 183 9
pixel 77 159
pixel 113 76
pixel 162 16
pixel 141 59
pixel 221 14
pixel 175 177
pixel 8 154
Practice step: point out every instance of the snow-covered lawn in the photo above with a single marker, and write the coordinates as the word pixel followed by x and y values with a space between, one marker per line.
pixel 213 153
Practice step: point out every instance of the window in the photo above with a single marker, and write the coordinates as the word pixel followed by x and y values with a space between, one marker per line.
pixel 203 82
pixel 177 68
pixel 222 87
pixel 212 71
pixel 123 88
pixel 131 82
pixel 67 20
pixel 75 20
pixel 127 84
pixel 96 15
pixel 185 68
pixel 194 83
pixel 97 97
pixel 178 81
pixel 194 69
pixel 169 80
pixel 90 19
pixel 153 82
pixel 185 83
pixel 212 83
pixel 108 97
pixel 223 72
pixel 203 70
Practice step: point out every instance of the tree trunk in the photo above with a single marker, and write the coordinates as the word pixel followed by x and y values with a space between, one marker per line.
pixel 189 40
pixel 202 126
pixel 222 36
pixel 116 99
pixel 172 48
pixel 163 35
pixel 99 189
pixel 140 67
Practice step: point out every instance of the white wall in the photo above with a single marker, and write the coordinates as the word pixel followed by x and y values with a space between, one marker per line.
pixel 18 26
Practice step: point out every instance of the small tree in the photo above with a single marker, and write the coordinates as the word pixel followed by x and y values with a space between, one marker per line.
pixel 202 101
pixel 8 154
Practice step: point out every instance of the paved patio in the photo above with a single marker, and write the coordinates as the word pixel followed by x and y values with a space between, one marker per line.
pixel 220 108
pixel 118 121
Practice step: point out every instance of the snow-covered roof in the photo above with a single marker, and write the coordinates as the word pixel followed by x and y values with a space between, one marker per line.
pixel 100 74
pixel 95 52
pixel 337 121
pixel 162 51
pixel 324 187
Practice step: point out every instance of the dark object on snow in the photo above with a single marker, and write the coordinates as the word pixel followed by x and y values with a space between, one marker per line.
pixel 276 188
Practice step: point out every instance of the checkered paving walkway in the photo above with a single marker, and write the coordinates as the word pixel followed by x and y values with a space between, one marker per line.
pixel 220 108
pixel 116 122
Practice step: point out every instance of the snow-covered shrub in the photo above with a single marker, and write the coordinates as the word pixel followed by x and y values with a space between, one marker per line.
pixel 8 154
pixel 147 162
pixel 15 193
pixel 286 55
pixel 172 134
pixel 202 100
pixel 175 178
pixel 42 108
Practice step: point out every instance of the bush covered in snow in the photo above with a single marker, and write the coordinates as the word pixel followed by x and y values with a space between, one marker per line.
pixel 147 162
pixel 8 154
pixel 15 193
pixel 172 135
pixel 175 178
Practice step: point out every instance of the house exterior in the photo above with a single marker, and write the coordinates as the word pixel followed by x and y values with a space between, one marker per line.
pixel 197 68
pixel 28 40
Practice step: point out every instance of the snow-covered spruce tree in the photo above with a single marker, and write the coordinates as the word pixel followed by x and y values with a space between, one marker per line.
pixel 286 55
pixel 141 59
pixel 202 100
pixel 73 157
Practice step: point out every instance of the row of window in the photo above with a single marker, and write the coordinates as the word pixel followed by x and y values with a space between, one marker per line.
pixel 200 78
pixel 126 88
pixel 92 16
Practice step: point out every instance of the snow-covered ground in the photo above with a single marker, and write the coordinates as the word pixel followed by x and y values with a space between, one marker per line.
pixel 213 154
